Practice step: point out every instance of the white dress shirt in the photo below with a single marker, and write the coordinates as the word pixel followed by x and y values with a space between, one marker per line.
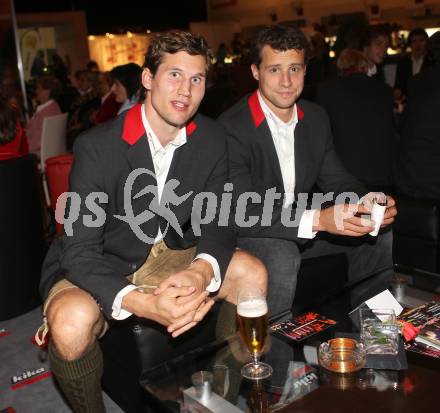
pixel 162 158
pixel 417 64
pixel 283 135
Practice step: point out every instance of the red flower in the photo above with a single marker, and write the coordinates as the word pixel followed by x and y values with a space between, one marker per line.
pixel 409 332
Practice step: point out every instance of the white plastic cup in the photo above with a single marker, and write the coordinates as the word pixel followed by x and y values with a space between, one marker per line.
pixel 377 212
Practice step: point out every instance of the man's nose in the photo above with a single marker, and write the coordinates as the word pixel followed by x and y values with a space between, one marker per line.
pixel 286 79
pixel 185 88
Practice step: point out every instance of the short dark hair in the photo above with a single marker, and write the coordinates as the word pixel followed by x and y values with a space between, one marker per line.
pixel 175 41
pixel 51 83
pixel 282 38
pixel 374 31
pixel 129 76
pixel 418 31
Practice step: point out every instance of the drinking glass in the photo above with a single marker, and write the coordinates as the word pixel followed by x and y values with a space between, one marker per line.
pixel 252 314
pixel 379 331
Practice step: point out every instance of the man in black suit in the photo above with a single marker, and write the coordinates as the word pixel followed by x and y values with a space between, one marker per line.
pixel 362 120
pixel 280 148
pixel 417 61
pixel 418 166
pixel 147 169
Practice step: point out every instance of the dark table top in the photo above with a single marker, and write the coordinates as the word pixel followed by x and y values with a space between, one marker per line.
pixel 299 384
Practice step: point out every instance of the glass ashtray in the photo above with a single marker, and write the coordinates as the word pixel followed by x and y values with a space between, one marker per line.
pixel 342 355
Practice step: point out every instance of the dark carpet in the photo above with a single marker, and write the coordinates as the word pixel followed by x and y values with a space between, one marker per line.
pixel 26 383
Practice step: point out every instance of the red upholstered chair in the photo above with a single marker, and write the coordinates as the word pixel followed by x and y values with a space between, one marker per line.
pixel 57 175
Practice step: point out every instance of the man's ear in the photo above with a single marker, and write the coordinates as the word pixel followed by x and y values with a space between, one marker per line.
pixel 147 78
pixel 305 69
pixel 255 72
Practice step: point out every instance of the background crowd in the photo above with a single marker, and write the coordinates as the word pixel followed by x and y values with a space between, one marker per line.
pixel 387 136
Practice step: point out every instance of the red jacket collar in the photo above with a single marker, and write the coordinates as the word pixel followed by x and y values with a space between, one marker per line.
pixel 134 128
pixel 257 111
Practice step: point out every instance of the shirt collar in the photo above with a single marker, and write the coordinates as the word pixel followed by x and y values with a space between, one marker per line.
pixel 44 105
pixel 268 113
pixel 372 70
pixel 179 140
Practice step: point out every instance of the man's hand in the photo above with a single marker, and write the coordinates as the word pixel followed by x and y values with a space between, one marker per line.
pixel 166 310
pixel 390 212
pixel 197 275
pixel 348 219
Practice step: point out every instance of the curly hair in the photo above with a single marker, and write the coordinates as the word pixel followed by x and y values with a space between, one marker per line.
pixel 280 37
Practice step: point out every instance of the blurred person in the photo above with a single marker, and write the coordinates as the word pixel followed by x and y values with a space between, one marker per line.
pixel 10 89
pixel 83 81
pixel 236 44
pixel 318 66
pixel 109 107
pixel 222 53
pixel 102 274
pixel 126 85
pixel 59 69
pixel 38 65
pixel 92 66
pixel 360 109
pixel 418 60
pixel 47 90
pixel 375 45
pixel 281 144
pixel 82 109
pixel 219 93
pixel 13 142
pixel 418 166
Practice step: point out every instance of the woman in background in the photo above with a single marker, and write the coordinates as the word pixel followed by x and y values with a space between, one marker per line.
pixel 47 90
pixel 13 142
pixel 126 84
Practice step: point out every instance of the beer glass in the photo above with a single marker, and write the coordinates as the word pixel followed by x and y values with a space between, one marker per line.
pixel 253 322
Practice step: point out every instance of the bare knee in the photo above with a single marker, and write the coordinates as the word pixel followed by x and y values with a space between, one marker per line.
pixel 74 321
pixel 244 271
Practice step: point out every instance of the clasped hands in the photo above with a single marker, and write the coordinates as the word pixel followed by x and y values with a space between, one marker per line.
pixel 181 301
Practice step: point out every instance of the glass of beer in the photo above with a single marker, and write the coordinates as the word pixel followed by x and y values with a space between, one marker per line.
pixel 252 317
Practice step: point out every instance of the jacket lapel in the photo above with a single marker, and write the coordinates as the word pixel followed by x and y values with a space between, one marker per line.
pixel 301 155
pixel 301 151
pixel 138 152
pixel 139 156
pixel 265 137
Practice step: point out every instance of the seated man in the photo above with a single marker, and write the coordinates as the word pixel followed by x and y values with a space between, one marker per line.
pixel 166 154
pixel 281 146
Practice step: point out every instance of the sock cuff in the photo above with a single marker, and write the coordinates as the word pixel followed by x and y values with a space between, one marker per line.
pixel 90 362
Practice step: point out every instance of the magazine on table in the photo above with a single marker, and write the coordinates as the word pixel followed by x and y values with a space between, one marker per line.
pixel 303 326
pixel 427 319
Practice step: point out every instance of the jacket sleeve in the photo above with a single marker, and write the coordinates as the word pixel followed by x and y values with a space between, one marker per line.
pixel 82 259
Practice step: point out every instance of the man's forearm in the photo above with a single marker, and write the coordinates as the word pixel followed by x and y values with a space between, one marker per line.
pixel 203 267
pixel 137 302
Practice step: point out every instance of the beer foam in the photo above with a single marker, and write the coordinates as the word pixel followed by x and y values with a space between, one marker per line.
pixel 252 308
